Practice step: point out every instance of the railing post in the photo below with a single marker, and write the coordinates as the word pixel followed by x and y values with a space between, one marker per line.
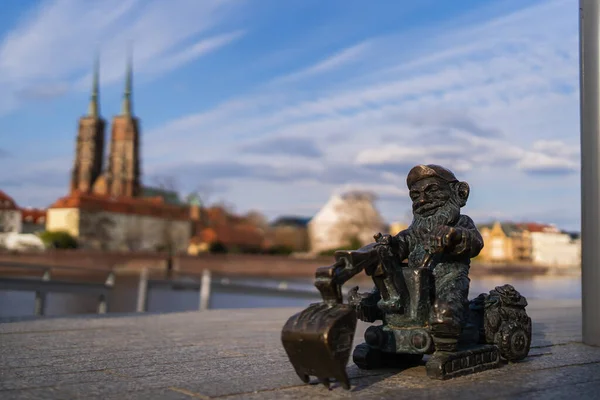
pixel 589 42
pixel 103 301
pixel 40 297
pixel 205 290
pixel 142 297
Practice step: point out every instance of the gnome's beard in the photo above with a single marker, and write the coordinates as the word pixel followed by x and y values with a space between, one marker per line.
pixel 446 215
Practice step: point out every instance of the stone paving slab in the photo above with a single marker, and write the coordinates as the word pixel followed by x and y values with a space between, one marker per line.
pixel 237 354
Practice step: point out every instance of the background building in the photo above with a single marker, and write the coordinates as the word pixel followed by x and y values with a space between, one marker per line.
pixel 218 230
pixel 34 220
pixel 17 226
pixel 554 248
pixel 107 207
pixel 503 243
pixel 10 215
pixel 351 217
pixel 121 223
pixel 290 233
pixel 529 242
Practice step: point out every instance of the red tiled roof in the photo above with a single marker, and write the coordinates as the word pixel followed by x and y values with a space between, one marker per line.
pixel 7 202
pixel 150 206
pixel 231 235
pixel 217 214
pixel 33 215
pixel 218 225
pixel 207 235
pixel 537 227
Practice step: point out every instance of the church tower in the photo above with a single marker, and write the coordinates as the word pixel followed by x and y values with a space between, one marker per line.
pixel 89 151
pixel 123 172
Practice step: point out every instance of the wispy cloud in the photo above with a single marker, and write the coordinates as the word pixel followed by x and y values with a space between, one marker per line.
pixel 540 163
pixel 42 91
pixel 481 99
pixel 331 63
pixel 495 99
pixel 56 42
pixel 385 191
pixel 302 147
pixel 195 50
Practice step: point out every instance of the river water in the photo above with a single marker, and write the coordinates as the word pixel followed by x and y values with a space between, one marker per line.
pixel 123 298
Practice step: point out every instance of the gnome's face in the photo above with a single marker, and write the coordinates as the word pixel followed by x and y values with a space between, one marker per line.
pixel 437 196
pixel 429 195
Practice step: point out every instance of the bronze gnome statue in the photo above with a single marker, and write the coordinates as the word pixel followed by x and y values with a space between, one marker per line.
pixel 421 278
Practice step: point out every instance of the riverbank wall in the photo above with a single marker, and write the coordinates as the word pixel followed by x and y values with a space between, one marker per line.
pixel 225 264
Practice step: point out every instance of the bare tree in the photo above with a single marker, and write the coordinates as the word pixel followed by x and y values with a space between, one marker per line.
pixel 202 193
pixel 4 221
pixel 96 230
pixel 225 205
pixel 169 186
pixel 134 235
pixel 257 219
pixel 200 196
pixel 9 219
pixel 166 183
pixel 3 227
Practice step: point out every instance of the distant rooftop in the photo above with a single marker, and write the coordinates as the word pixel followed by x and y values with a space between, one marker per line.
pixel 512 227
pixel 194 200
pixel 291 221
pixel 169 196
pixel 359 195
pixel 573 235
pixel 7 202
pixel 507 227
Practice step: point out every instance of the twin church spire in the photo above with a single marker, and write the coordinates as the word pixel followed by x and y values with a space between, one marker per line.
pixel 126 107
pixel 94 108
pixel 120 174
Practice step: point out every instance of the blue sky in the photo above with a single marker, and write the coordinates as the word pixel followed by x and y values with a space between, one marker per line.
pixel 274 105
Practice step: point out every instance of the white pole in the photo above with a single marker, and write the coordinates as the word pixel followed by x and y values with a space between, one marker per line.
pixel 40 297
pixel 103 301
pixel 205 290
pixel 589 39
pixel 142 296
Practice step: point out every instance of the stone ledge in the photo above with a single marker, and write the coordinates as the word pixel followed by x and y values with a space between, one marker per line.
pixel 238 354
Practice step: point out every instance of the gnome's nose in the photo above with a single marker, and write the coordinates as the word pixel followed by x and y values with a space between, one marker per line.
pixel 420 203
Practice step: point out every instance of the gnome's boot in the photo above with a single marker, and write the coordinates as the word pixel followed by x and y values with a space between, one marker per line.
pixel 445 336
pixel 445 327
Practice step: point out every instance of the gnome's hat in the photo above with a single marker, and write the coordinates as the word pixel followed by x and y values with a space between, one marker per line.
pixel 420 172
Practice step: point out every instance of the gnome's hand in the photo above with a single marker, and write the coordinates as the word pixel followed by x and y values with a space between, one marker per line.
pixel 384 240
pixel 443 239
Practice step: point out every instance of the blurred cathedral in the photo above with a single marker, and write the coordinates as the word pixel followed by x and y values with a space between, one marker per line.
pixel 121 175
pixel 107 206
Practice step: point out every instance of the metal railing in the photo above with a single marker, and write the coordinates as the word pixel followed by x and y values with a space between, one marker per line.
pixel 203 283
pixel 206 282
pixel 44 284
